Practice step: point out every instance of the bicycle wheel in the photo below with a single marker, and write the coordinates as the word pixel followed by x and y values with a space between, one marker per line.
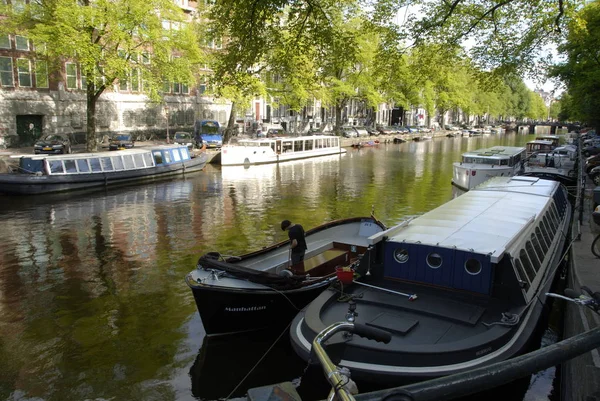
pixel 596 246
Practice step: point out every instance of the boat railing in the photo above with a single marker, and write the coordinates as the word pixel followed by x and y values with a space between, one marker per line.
pixel 374 239
pixel 339 378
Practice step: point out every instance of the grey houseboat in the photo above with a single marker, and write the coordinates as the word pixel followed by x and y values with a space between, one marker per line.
pixel 459 287
pixel 39 174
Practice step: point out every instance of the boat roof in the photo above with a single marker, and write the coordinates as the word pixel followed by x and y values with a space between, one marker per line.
pixel 99 154
pixel 541 141
pixel 496 152
pixel 486 220
pixel 263 140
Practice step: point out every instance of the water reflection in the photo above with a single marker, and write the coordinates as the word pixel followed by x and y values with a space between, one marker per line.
pixel 92 298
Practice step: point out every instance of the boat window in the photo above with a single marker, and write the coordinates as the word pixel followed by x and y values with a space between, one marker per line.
pixel 548 228
pixel 298 146
pixel 128 160
pixel 83 166
pixel 504 162
pixel 158 158
pixel 521 273
pixel 538 247
pixel 287 146
pixel 320 143
pixel 167 156
pixel 56 166
pixel 535 260
pixel 308 144
pixel 553 216
pixel 106 164
pixel 149 159
pixel 434 260
pixel 273 146
pixel 185 155
pixel 527 265
pixel 118 163
pixel 95 164
pixel 176 155
pixel 328 142
pixel 70 166
pixel 542 239
pixel 401 255
pixel 138 160
pixel 473 266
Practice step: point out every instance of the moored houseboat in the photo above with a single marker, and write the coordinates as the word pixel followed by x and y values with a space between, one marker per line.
pixel 458 288
pixel 559 164
pixel 275 150
pixel 480 165
pixel 39 174
pixel 259 289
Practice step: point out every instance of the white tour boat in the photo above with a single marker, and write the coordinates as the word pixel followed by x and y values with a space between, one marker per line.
pixel 275 150
pixel 481 165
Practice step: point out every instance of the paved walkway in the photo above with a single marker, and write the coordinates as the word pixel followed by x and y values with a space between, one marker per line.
pixel 581 376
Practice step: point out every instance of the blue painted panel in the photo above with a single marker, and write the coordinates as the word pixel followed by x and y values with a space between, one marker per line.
pixel 442 275
pixel 395 269
pixel 481 282
pixel 416 267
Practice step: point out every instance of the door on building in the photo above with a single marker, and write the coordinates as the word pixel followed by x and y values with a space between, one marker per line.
pixel 29 129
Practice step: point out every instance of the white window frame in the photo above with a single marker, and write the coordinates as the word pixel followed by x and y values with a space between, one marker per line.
pixel 67 76
pixel 24 73
pixel 12 76
pixel 19 37
pixel 43 73
pixel 9 42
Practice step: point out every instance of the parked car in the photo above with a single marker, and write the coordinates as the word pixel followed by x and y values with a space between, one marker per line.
pixel 591 162
pixel 372 131
pixel 362 131
pixel 595 175
pixel 591 149
pixel 120 142
pixel 184 138
pixel 53 144
pixel 276 132
pixel 385 130
pixel 349 132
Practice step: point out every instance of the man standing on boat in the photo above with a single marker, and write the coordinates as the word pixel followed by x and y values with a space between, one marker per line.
pixel 297 241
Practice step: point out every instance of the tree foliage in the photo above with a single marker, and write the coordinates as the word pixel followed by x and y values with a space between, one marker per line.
pixel 111 41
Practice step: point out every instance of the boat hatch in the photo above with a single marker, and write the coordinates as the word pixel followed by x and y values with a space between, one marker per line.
pixel 393 323
pixel 451 268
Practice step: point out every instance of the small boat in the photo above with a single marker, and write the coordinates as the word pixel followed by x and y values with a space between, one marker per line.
pixel 559 164
pixel 460 287
pixel 481 165
pixel 275 150
pixel 365 144
pixel 249 292
pixel 40 174
pixel 399 140
pixel 542 144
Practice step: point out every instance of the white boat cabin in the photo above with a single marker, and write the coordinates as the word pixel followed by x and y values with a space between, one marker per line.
pixel 495 156
pixel 102 162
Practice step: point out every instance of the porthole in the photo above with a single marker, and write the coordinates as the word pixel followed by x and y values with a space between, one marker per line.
pixel 401 255
pixel 434 260
pixel 473 267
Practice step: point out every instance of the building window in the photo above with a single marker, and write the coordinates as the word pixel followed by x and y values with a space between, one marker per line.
pixel 176 87
pixel 123 85
pixel 71 70
pixel 185 89
pixel 41 74
pixel 5 42
pixel 24 72
pixel 22 43
pixel 135 80
pixel 166 87
pixel 6 71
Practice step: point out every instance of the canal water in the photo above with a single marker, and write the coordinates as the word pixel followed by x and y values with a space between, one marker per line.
pixel 93 303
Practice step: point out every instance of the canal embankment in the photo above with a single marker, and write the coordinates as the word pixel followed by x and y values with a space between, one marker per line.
pixel 580 378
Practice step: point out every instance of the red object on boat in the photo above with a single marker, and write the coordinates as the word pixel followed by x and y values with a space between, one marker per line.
pixel 345 276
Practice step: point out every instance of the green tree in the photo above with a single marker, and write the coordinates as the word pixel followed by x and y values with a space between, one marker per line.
pixel 581 70
pixel 148 41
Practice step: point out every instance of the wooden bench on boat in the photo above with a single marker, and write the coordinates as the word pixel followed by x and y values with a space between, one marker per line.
pixel 324 259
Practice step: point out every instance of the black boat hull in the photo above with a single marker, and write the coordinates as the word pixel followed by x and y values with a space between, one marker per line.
pixel 235 311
